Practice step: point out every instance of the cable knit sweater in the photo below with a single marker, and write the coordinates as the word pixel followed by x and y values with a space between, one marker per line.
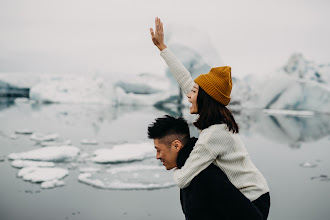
pixel 217 145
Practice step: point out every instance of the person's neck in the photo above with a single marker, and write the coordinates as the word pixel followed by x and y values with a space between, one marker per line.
pixel 185 152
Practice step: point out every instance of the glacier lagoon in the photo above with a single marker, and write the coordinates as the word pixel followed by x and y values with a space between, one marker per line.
pixel 291 150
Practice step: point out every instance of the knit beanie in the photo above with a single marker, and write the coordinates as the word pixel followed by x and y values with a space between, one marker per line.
pixel 217 83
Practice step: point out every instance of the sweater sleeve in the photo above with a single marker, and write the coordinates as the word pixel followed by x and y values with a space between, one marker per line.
pixel 199 159
pixel 178 70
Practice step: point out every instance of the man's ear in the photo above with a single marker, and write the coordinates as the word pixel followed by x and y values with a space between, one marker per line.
pixel 177 145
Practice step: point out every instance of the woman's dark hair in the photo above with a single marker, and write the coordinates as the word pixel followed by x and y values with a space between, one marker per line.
pixel 213 112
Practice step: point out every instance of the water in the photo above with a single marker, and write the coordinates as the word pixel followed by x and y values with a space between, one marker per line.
pixel 292 153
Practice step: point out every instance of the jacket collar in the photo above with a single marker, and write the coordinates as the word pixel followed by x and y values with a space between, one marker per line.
pixel 185 152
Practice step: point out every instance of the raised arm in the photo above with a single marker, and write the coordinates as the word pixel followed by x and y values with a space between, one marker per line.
pixel 178 70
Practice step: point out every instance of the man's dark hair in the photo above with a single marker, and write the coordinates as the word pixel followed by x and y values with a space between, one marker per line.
pixel 168 128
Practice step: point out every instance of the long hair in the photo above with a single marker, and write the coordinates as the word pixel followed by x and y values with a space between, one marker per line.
pixel 212 112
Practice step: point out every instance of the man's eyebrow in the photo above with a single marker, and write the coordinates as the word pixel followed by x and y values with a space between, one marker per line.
pixel 195 87
pixel 155 147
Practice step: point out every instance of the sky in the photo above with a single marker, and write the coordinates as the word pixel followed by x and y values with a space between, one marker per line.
pixel 112 37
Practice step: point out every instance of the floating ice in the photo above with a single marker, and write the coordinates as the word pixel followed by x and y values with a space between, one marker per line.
pixel 61 153
pixel 124 153
pixel 89 169
pixel 29 163
pixel 142 177
pixel 55 143
pixel 321 177
pixel 288 112
pixel 22 100
pixel 89 142
pixel 24 131
pixel 52 184
pixel 43 137
pixel 73 89
pixel 41 174
pixel 308 165
pixel 13 136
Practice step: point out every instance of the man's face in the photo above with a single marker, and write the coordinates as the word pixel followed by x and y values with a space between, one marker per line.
pixel 166 154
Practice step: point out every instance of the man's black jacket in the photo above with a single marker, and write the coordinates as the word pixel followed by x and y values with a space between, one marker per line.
pixel 210 195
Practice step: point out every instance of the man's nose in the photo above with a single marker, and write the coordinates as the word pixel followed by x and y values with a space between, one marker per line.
pixel 157 156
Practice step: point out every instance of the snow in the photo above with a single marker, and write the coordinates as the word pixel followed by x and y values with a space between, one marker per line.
pixel 52 153
pixel 29 163
pixel 124 153
pixel 130 177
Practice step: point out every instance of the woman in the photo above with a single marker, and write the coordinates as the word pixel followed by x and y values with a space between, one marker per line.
pixel 219 142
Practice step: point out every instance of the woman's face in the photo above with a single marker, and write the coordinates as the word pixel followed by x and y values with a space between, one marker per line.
pixel 192 98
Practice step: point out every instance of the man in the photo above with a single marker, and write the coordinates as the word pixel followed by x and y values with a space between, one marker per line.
pixel 210 194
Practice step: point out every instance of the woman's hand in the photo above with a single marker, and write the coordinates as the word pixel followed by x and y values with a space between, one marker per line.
pixel 158 36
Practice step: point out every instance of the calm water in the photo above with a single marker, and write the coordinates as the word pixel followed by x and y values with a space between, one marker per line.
pixel 279 146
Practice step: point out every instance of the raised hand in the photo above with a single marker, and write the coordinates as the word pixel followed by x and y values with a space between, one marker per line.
pixel 158 36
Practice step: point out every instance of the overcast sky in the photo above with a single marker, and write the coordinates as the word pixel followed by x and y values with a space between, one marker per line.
pixel 107 36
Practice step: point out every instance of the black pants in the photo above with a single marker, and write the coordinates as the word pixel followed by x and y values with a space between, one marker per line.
pixel 263 204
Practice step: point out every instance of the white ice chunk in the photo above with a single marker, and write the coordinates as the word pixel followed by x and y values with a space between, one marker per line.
pixel 288 112
pixel 61 153
pixel 89 142
pixel 52 184
pixel 43 137
pixel 24 131
pixel 41 174
pixel 308 165
pixel 13 136
pixel 29 163
pixel 73 89
pixel 142 177
pixel 89 169
pixel 21 100
pixel 124 153
pixel 55 143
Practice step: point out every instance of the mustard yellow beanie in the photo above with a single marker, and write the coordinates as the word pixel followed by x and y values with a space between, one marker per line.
pixel 217 83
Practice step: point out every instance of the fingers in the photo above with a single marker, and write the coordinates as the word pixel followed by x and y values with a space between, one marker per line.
pixel 152 32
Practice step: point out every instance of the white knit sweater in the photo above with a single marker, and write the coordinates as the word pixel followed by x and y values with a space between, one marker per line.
pixel 217 145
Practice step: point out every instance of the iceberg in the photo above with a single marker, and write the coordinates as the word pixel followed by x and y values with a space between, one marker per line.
pixel 124 153
pixel 132 177
pixel 73 89
pixel 52 153
pixel 299 85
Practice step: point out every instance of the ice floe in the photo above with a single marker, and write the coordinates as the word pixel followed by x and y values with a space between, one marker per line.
pixel 43 137
pixel 55 154
pixel 288 112
pixel 89 169
pixel 132 177
pixel 29 163
pixel 24 131
pixel 55 143
pixel 52 183
pixel 49 176
pixel 124 153
pixel 89 142
pixel 308 165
